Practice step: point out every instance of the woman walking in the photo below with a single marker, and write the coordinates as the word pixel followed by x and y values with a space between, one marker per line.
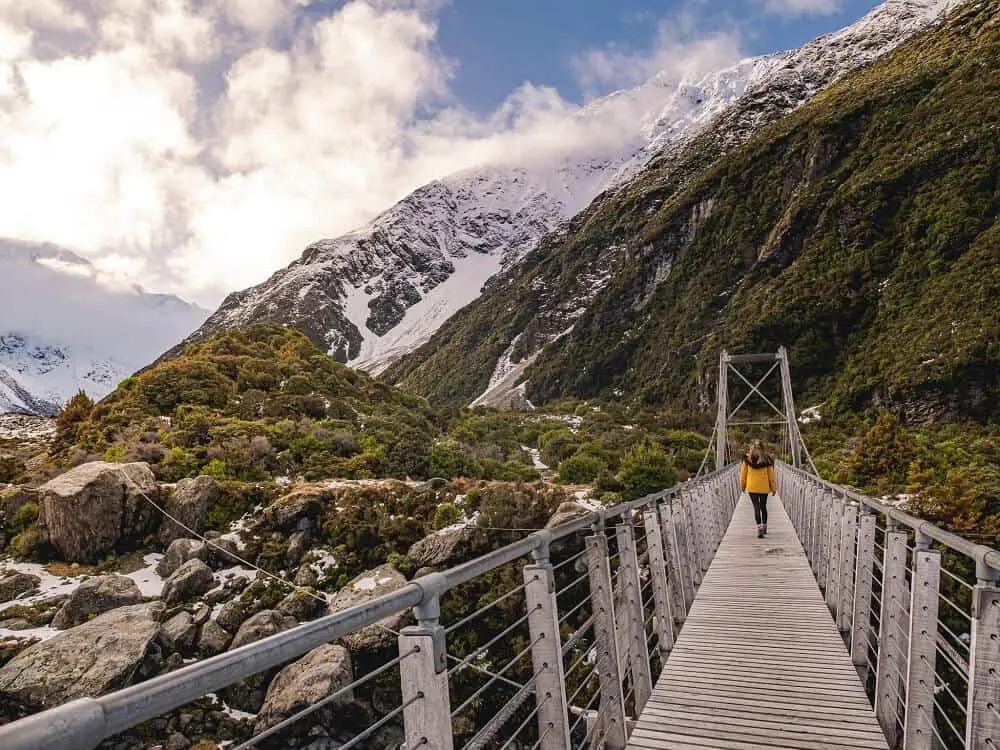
pixel 757 479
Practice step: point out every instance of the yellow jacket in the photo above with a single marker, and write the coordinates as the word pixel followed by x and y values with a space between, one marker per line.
pixel 758 477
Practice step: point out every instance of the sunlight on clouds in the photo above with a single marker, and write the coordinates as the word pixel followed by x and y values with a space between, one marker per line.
pixel 199 146
pixel 801 7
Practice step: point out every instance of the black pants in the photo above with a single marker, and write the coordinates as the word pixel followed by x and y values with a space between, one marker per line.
pixel 759 500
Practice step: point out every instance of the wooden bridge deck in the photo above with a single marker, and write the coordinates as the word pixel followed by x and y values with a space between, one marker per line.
pixel 759 662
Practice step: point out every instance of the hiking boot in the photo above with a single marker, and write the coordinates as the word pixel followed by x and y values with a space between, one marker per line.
pixel 760 531
pixel 763 529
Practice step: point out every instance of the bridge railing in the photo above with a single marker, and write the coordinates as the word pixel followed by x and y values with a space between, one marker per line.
pixel 552 642
pixel 919 608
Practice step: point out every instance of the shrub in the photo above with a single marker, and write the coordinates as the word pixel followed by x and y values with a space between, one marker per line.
pixel 580 468
pixel 448 459
pixel 445 515
pixel 645 468
pixel 11 469
pixel 26 515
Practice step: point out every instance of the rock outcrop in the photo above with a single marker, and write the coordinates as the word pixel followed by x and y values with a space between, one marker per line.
pixel 190 580
pixel 178 553
pixel 370 584
pixel 91 509
pixel 249 694
pixel 13 583
pixel 321 672
pixel 442 546
pixel 566 512
pixel 189 503
pixel 88 660
pixel 96 596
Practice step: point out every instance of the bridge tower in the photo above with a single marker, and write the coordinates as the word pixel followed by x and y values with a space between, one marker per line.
pixel 785 414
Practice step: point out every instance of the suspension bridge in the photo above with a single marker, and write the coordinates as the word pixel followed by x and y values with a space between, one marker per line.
pixel 663 622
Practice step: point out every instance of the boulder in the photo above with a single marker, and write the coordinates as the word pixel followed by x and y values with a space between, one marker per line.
pixel 261 625
pixel 96 596
pixel 178 553
pixel 306 576
pixel 303 604
pixel 442 546
pixel 316 675
pixel 566 511
pixel 189 581
pixel 92 508
pixel 370 584
pixel 212 640
pixel 178 634
pixel 189 503
pixel 297 545
pixel 85 661
pixel 13 583
pixel 288 510
pixel 232 615
pixel 249 694
pixel 223 553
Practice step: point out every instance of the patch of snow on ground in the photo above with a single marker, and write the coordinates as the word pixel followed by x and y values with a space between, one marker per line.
pixel 146 578
pixel 322 560
pixel 43 633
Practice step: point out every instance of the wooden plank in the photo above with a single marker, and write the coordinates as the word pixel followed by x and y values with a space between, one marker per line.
pixel 759 662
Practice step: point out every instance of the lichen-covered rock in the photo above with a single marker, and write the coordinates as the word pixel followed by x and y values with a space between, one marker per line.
pixel 306 576
pixel 178 634
pixel 212 640
pixel 232 615
pixel 189 503
pixel 178 553
pixel 442 546
pixel 288 510
pixel 248 695
pixel 566 512
pixel 303 604
pixel 223 553
pixel 316 675
pixel 92 508
pixel 189 581
pixel 85 661
pixel 370 584
pixel 96 596
pixel 13 583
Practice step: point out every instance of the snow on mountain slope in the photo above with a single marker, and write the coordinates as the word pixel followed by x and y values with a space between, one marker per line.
pixel 65 326
pixel 375 294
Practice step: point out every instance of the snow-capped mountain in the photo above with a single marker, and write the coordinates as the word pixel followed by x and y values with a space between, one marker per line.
pixel 379 292
pixel 65 327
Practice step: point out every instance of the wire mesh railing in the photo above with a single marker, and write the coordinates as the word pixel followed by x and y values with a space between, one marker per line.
pixel 918 607
pixel 549 643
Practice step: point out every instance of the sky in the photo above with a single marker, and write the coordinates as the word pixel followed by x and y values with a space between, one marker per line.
pixel 199 145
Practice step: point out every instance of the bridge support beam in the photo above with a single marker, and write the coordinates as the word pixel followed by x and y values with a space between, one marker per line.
pixel 848 534
pixel 634 617
pixel 611 713
pixel 661 591
pixel 892 627
pixel 861 625
pixel 424 683
pixel 918 732
pixel 983 722
pixel 546 656
pixel 676 579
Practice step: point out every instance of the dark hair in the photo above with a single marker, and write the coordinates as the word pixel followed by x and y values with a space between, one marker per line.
pixel 758 452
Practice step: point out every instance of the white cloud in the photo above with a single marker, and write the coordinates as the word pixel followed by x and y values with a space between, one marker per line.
pixel 802 7
pixel 200 144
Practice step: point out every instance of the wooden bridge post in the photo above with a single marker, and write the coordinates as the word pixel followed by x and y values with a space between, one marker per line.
pixel 833 557
pixel 861 618
pixel 688 539
pixel 823 543
pixel 546 653
pixel 813 509
pixel 635 617
pixel 424 681
pixel 982 728
pixel 891 649
pixel 612 705
pixel 918 730
pixel 848 535
pixel 681 588
pixel 661 590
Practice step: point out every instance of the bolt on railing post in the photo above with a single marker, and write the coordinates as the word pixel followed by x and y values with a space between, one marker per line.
pixel 612 704
pixel 918 730
pixel 845 599
pixel 861 617
pixel 546 653
pixel 661 591
pixel 424 680
pixel 681 588
pixel 890 645
pixel 982 728
pixel 634 620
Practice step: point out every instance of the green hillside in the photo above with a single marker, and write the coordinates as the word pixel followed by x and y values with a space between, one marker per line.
pixel 860 231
